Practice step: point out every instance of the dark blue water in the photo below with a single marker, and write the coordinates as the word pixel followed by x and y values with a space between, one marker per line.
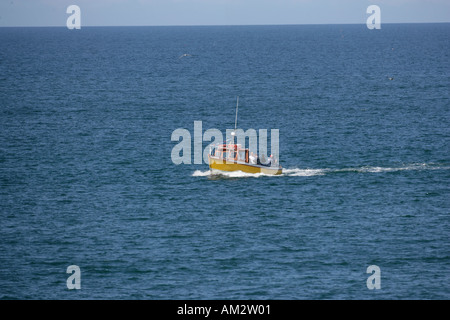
pixel 86 176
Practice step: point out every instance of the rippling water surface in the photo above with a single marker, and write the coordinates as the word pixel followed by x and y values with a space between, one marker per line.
pixel 86 176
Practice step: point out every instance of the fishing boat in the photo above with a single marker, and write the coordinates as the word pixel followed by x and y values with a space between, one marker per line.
pixel 230 156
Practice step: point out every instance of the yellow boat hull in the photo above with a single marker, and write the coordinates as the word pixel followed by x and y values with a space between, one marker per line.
pixel 231 165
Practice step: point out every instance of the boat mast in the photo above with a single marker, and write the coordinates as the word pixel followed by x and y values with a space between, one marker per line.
pixel 235 121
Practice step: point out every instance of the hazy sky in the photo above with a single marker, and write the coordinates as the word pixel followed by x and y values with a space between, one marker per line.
pixel 218 12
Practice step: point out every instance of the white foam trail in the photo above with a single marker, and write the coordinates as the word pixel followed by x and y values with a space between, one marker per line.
pixel 303 172
pixel 199 173
pixel 296 172
pixel 228 174
pixel 240 174
pixel 414 166
pixel 378 169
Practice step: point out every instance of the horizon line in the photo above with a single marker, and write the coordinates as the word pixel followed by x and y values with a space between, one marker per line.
pixel 222 25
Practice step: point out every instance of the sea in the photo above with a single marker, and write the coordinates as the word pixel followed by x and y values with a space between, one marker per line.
pixel 93 206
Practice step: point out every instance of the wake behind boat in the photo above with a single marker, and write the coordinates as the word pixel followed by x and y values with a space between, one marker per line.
pixel 233 157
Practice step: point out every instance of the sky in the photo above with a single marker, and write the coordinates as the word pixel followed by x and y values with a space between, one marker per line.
pixel 218 12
